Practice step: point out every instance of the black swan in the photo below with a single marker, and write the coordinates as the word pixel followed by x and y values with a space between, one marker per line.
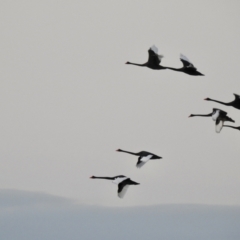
pixel 143 157
pixel 187 68
pixel 122 182
pixel 154 60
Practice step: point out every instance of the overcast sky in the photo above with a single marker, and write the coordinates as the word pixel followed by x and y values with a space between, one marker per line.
pixel 68 100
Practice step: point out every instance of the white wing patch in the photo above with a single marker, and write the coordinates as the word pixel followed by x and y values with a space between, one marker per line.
pixel 155 49
pixel 184 58
pixel 219 126
pixel 143 160
pixel 123 192
pixel 215 115
pixel 119 180
pixel 139 165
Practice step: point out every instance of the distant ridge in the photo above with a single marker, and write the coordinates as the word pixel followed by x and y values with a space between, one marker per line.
pixel 36 216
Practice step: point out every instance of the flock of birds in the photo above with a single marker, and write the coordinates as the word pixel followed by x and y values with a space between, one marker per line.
pixel 218 115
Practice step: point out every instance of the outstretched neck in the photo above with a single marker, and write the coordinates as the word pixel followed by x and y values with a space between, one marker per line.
pixel 226 104
pixel 119 150
pixel 201 115
pixel 108 178
pixel 140 65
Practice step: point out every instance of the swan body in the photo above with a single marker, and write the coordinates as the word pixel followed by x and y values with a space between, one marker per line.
pixel 218 115
pixel 154 60
pixel 143 158
pixel 220 121
pixel 214 114
pixel 122 182
pixel 187 68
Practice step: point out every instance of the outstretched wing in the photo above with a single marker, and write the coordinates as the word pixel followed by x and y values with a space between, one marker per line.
pixel 218 113
pixel 223 113
pixel 153 57
pixel 122 188
pixel 143 160
pixel 219 125
pixel 237 97
pixel 186 62
pixel 215 114
pixel 154 48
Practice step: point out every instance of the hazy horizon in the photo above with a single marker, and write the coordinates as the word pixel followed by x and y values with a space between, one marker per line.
pixel 33 215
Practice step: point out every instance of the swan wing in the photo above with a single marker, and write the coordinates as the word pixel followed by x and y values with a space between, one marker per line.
pixel 122 189
pixel 153 57
pixel 154 49
pixel 186 62
pixel 215 114
pixel 237 97
pixel 143 160
pixel 219 125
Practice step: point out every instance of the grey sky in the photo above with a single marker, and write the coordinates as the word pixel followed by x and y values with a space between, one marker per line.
pixel 68 101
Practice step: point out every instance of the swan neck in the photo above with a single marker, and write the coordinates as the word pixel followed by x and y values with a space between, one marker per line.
pixel 136 64
pixel 129 152
pixel 226 104
pixel 202 115
pixel 108 178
